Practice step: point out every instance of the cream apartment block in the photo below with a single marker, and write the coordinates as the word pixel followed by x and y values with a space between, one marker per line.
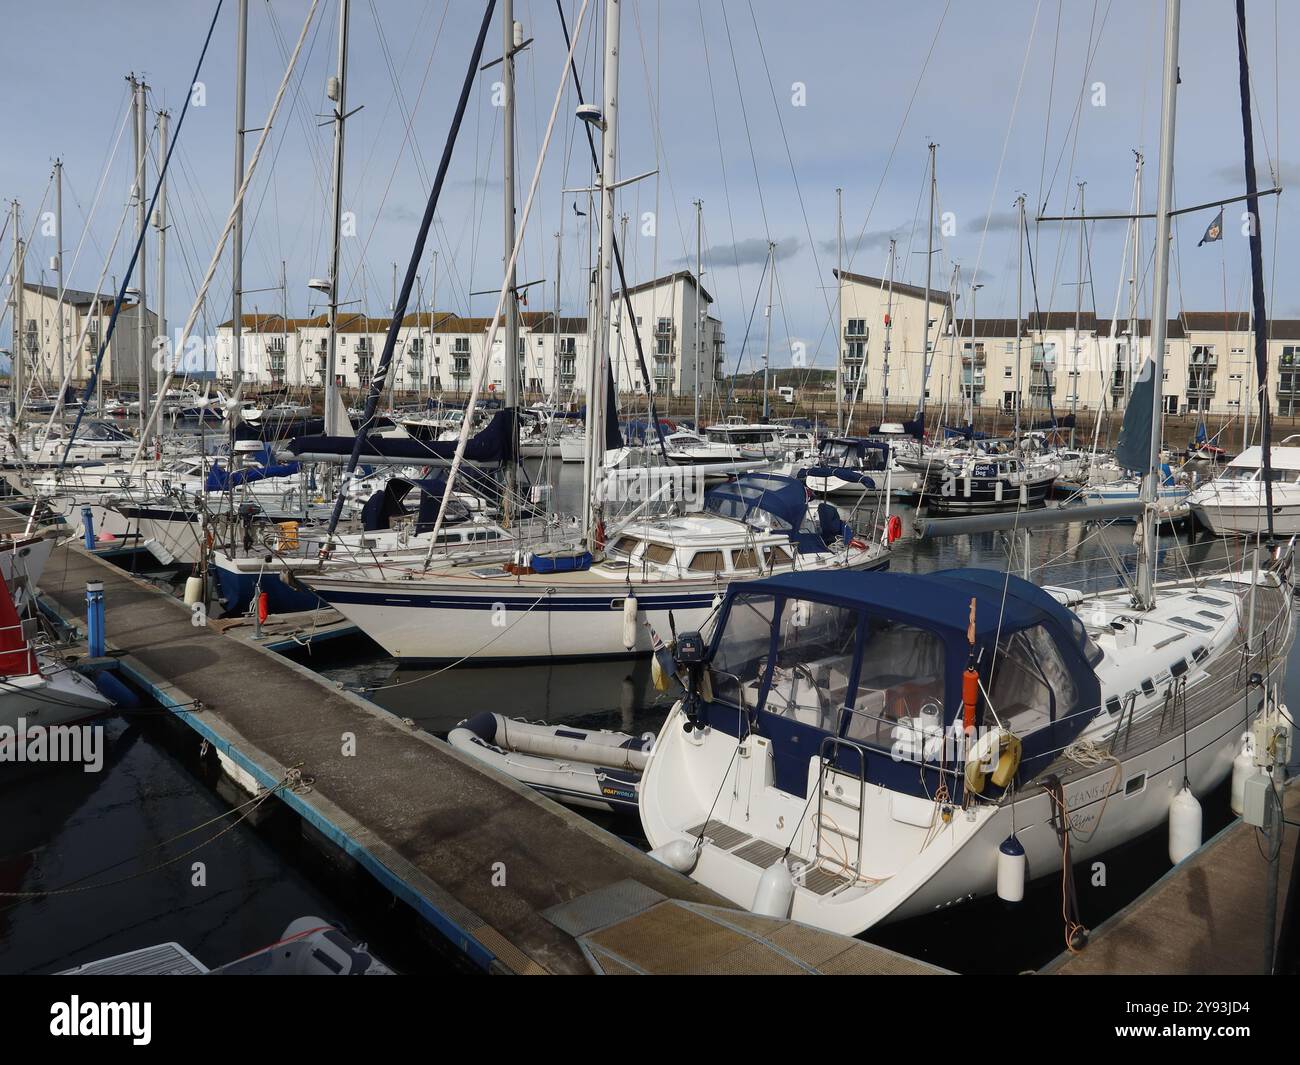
pixel 84 317
pixel 1209 356
pixel 440 352
pixel 681 341
pixel 437 352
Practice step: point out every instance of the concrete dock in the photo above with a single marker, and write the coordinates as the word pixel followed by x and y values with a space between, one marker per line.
pixel 1206 915
pixel 516 882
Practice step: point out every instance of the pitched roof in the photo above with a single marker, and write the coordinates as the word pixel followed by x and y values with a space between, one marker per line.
pixel 685 276
pixel 937 295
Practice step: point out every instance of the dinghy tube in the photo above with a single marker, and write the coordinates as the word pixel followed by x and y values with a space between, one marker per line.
pixel 592 768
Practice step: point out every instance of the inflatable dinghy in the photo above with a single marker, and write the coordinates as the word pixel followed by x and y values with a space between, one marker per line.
pixel 593 768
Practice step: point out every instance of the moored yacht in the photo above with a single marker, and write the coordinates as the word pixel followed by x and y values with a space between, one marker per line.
pixel 656 571
pixel 824 734
pixel 1235 503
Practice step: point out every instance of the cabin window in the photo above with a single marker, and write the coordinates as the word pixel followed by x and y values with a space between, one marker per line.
pixel 777 556
pixel 706 562
pixel 744 558
pixel 814 658
pixel 660 553
pixel 736 671
pixel 1030 681
pixel 625 545
pixel 900 683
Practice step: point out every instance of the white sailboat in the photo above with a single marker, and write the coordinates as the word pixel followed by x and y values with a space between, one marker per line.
pixel 864 748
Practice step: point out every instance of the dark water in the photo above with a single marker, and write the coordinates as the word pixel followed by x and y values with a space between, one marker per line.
pixel 68 828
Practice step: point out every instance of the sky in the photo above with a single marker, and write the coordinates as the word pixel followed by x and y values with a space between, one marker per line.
pixel 760 109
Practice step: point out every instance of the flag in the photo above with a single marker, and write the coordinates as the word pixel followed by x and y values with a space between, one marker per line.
pixel 1215 230
pixel 663 670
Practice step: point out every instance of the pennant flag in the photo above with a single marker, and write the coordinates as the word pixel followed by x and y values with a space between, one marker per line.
pixel 1215 230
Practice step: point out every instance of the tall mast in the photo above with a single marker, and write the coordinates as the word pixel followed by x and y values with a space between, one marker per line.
pixel 337 94
pixel 1134 326
pixel 699 325
pixel 19 357
pixel 608 177
pixel 1020 313
pixel 1078 320
pixel 767 344
pixel 512 38
pixel 889 329
pixel 839 311
pixel 1159 302
pixel 58 262
pixel 142 226
pixel 929 267
pixel 160 224
pixel 237 233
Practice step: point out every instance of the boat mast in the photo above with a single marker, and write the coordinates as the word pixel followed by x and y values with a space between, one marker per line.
pixel 18 360
pixel 160 224
pixel 929 268
pixel 699 271
pixel 512 39
pixel 1021 236
pixel 1160 299
pixel 337 94
pixel 1134 335
pixel 1259 312
pixel 596 413
pixel 237 232
pixel 767 344
pixel 839 311
pixel 139 88
pixel 1078 319
pixel 889 328
pixel 58 263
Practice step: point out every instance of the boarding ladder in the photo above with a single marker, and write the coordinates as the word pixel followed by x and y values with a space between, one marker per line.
pixel 849 854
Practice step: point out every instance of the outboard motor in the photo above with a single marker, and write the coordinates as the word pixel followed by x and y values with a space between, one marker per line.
pixel 689 656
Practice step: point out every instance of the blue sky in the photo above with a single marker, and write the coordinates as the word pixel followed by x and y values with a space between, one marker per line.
pixel 710 100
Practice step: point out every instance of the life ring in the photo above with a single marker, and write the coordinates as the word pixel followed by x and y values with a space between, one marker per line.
pixel 1008 748
pixel 893 528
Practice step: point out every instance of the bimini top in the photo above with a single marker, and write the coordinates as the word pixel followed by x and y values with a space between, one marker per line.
pixel 782 500
pixel 940 601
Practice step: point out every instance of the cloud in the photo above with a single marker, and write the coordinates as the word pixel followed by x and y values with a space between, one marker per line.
pixel 749 252
pixel 1288 173
pixel 997 222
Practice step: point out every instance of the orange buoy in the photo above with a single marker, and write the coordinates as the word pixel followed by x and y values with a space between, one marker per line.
pixel 263 607
pixel 970 693
pixel 894 529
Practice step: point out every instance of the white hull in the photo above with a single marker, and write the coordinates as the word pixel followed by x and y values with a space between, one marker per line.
pixel 910 862
pixel 499 619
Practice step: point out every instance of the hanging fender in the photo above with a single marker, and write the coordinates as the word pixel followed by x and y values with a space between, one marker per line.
pixel 1008 749
pixel 893 528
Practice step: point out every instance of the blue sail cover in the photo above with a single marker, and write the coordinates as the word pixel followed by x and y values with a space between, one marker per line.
pixel 783 501
pixel 495 443
pixel 1134 449
pixel 389 503
pixel 220 479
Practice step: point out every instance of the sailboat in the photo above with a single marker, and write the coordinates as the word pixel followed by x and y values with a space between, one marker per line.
pixel 861 748
pixel 599 594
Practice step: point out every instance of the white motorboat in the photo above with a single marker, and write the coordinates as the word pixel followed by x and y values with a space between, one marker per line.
pixel 1235 502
